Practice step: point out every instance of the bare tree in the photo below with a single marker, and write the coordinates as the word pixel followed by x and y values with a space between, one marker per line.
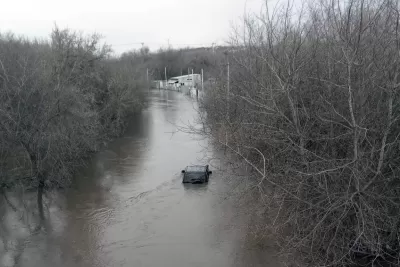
pixel 55 103
pixel 313 109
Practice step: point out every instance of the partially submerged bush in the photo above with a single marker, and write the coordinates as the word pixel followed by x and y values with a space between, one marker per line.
pixel 58 101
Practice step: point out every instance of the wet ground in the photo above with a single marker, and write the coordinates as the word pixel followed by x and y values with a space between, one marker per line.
pixel 129 207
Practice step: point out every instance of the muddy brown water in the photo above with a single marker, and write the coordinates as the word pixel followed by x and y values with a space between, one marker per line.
pixel 129 207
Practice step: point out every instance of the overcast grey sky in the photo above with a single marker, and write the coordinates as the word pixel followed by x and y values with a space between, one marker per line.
pixel 127 23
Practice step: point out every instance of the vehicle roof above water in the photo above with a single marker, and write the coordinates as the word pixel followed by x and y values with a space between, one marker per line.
pixel 196 168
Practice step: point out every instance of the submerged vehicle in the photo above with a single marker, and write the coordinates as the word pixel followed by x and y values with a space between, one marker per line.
pixel 196 174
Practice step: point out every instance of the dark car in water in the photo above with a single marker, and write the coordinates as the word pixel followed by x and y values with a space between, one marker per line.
pixel 196 174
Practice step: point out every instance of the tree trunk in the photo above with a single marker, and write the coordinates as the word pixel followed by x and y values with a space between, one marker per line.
pixel 8 201
pixel 40 197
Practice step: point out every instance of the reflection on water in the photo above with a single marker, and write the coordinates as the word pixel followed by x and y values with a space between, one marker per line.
pixel 129 206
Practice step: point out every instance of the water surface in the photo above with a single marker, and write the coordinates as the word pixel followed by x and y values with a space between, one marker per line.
pixel 129 207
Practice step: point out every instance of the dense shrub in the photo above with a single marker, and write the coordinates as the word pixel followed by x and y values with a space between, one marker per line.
pixel 59 100
pixel 313 107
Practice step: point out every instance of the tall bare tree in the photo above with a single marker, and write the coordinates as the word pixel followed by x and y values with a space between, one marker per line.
pixel 58 101
pixel 313 108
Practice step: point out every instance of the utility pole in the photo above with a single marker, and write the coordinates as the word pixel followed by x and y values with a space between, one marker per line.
pixel 188 79
pixel 202 80
pixel 197 91
pixel 166 81
pixel 227 93
pixel 148 84
pixel 227 99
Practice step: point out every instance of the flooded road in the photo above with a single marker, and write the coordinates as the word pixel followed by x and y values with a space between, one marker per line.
pixel 130 208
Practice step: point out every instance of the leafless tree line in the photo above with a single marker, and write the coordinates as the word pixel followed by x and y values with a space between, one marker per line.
pixel 313 108
pixel 59 101
pixel 175 62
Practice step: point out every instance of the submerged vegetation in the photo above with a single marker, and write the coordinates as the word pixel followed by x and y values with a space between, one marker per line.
pixel 59 101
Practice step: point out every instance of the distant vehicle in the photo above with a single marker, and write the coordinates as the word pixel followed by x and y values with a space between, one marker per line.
pixel 196 174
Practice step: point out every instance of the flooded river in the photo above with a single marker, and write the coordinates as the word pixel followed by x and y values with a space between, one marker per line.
pixel 130 208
